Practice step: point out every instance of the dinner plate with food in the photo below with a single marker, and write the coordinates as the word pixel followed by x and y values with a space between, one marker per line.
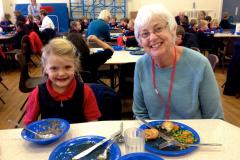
pixel 178 131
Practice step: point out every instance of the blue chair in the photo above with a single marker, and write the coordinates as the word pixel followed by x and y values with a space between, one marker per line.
pixel 109 102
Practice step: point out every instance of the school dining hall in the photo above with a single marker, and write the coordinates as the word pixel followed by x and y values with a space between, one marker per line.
pixel 119 79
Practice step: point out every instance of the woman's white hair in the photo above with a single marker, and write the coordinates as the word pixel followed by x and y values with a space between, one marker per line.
pixel 105 15
pixel 152 12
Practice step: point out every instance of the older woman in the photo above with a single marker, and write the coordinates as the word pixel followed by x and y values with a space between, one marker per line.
pixel 171 82
pixel 100 26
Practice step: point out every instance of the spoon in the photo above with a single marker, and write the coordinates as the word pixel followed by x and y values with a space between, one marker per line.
pixel 39 135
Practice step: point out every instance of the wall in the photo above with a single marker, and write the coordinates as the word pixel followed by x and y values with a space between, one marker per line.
pixel 181 5
pixel 133 5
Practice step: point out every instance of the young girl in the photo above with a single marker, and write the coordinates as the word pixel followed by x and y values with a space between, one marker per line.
pixel 63 95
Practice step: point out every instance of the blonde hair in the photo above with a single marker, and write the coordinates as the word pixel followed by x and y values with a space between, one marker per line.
pixel 148 13
pixel 60 47
pixel 214 23
pixel 105 15
pixel 202 24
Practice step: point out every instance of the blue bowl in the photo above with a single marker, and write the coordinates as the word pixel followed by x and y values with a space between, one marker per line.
pixel 56 126
pixel 117 48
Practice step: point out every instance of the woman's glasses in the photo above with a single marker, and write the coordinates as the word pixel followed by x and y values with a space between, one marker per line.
pixel 156 29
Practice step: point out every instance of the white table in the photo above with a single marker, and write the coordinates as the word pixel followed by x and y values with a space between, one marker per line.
pixel 118 58
pixel 226 35
pixel 13 147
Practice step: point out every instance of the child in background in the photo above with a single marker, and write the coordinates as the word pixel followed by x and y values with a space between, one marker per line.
pixel 193 27
pixel 84 23
pixel 214 25
pixel 124 23
pixel 113 23
pixel 129 37
pixel 203 26
pixel 75 26
pixel 6 23
pixel 63 95
pixel 180 35
pixel 20 32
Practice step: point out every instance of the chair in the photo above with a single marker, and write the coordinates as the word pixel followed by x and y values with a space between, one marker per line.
pixel 26 83
pixel 47 35
pixel 196 49
pixel 213 59
pixel 109 102
pixel 27 49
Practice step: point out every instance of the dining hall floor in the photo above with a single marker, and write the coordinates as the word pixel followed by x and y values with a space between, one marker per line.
pixel 14 99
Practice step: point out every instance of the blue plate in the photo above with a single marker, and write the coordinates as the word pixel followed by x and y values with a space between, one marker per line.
pixel 56 126
pixel 68 149
pixel 171 150
pixel 139 52
pixel 117 48
pixel 140 156
pixel 133 48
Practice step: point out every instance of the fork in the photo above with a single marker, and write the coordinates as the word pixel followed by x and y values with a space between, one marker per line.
pixel 103 156
pixel 120 138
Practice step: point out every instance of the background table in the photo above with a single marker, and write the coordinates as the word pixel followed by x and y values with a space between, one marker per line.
pixel 13 147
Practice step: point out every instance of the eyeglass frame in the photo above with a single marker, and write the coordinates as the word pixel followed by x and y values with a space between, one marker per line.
pixel 156 30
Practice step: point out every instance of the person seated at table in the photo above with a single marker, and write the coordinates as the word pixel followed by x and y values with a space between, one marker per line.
pixel 171 82
pixel 182 20
pixel 124 23
pixel 180 33
pixel 90 62
pixel 6 23
pixel 113 23
pixel 46 21
pixel 36 42
pixel 214 25
pixel 6 20
pixel 193 26
pixel 99 27
pixel 224 23
pixel 62 95
pixel 20 32
pixel 37 20
pixel 19 17
pixel 75 26
pixel 203 26
pixel 32 25
pixel 84 23
pixel 129 38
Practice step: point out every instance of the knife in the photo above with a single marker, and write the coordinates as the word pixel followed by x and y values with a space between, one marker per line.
pixel 169 143
pixel 89 150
